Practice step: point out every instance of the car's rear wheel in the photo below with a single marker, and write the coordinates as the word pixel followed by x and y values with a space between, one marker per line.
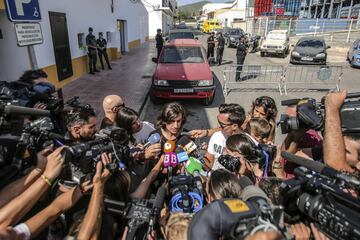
pixel 155 100
pixel 262 54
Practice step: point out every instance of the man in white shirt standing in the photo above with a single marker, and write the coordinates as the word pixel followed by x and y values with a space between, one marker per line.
pixel 230 118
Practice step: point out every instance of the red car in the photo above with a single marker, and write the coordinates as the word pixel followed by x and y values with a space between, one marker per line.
pixel 182 72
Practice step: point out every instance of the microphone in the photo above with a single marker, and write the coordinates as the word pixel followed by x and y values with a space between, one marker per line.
pixel 319 168
pixel 253 193
pixel 245 182
pixel 194 167
pixel 169 146
pixel 17 110
pixel 181 155
pixel 153 139
pixel 170 160
pixel 188 145
pixel 159 200
pixel 157 206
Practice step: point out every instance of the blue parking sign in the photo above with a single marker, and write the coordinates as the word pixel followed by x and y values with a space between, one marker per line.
pixel 23 10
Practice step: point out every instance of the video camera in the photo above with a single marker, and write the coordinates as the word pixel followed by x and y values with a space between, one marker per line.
pixel 141 214
pixel 237 218
pixel 310 115
pixel 83 157
pixel 323 195
pixel 185 196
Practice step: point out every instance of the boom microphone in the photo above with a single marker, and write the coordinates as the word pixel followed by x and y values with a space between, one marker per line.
pixel 319 168
pixel 25 111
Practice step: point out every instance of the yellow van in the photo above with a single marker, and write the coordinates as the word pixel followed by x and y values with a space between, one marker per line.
pixel 209 25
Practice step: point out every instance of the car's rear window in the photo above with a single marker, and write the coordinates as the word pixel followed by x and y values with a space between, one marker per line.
pixel 311 43
pixel 181 35
pixel 234 32
pixel 182 55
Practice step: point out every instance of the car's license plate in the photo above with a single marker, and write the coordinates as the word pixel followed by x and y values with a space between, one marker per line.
pixel 183 90
pixel 307 59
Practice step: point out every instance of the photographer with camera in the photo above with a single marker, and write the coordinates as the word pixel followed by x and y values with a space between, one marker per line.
pixel 81 125
pixel 341 152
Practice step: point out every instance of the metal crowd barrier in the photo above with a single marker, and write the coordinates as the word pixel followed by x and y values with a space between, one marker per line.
pixel 312 77
pixel 254 76
pixel 281 78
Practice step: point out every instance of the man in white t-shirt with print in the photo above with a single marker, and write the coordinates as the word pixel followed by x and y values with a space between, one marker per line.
pixel 230 118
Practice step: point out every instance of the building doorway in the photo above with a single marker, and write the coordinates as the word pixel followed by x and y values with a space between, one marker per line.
pixel 121 27
pixel 60 37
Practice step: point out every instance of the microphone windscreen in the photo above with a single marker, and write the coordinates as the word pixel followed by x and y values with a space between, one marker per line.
pixel 253 192
pixel 160 198
pixel 245 182
pixel 17 110
pixel 154 138
pixel 309 164
pixel 183 140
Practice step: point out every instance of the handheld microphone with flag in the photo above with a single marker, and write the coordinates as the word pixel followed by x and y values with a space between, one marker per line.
pixel 190 147
pixel 181 155
pixel 194 167
pixel 170 160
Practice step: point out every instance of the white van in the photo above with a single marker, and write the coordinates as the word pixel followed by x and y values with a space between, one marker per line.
pixel 276 42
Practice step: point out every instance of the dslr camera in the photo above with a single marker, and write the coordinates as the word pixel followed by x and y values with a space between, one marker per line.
pixel 311 115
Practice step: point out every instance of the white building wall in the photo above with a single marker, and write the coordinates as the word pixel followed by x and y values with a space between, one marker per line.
pixel 230 16
pixel 210 7
pixel 80 15
pixel 78 21
pixel 159 19
pixel 13 59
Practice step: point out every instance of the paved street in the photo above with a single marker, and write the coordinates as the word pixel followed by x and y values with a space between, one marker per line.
pixel 205 117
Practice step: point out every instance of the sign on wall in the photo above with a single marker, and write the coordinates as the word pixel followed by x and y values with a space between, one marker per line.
pixel 28 34
pixel 23 10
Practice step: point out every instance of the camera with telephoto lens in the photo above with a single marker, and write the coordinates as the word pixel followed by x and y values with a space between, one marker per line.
pixel 326 201
pixel 311 115
pixel 185 195
pixel 83 157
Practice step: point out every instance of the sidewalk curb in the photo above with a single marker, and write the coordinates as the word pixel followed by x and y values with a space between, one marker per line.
pixel 143 104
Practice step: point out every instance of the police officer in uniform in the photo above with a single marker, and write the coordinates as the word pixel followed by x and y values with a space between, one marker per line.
pixel 91 45
pixel 220 48
pixel 101 47
pixel 159 42
pixel 241 52
pixel 211 45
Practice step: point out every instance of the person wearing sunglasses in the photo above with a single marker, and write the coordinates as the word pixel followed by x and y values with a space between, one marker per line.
pixel 230 119
pixel 111 105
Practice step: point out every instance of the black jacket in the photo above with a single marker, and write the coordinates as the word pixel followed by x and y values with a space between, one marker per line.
pixel 241 50
pixel 159 41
